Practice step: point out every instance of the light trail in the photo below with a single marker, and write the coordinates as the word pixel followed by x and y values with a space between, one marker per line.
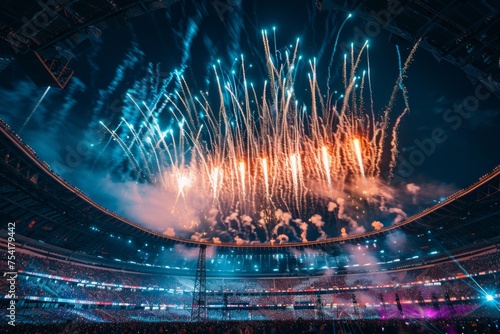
pixel 33 111
pixel 357 150
pixel 326 165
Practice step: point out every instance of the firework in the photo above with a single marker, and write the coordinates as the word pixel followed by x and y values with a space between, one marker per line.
pixel 257 152
pixel 357 150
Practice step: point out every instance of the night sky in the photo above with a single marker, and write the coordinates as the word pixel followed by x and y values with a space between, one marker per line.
pixel 447 141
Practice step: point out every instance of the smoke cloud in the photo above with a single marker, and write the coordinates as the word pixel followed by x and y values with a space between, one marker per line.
pixel 377 226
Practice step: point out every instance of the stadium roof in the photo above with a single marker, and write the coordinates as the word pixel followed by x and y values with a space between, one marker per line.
pixel 45 35
pixel 52 215
pixel 463 33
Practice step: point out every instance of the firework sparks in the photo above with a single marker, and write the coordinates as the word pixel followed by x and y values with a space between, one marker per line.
pixel 244 146
pixel 357 150
pixel 326 165
pixel 34 109
pixel 265 173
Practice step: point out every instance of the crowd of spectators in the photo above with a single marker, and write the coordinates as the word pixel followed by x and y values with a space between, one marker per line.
pixel 67 268
pixel 483 264
pixel 339 295
pixel 300 326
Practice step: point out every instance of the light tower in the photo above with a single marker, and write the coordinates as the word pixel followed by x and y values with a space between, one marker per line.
pixel 199 305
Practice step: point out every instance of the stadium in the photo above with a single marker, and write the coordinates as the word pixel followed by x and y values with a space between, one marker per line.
pixel 73 264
